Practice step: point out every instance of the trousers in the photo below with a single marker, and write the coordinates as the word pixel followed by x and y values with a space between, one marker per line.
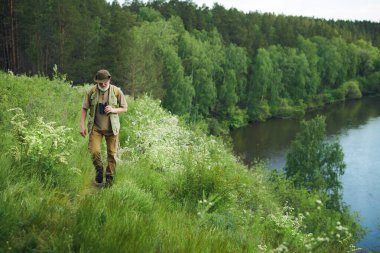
pixel 94 144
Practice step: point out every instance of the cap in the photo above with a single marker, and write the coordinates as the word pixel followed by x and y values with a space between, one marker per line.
pixel 102 76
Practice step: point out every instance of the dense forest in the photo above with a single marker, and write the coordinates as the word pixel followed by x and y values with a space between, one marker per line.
pixel 222 65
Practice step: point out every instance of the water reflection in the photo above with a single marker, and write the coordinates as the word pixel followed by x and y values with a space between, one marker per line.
pixel 270 140
pixel 350 114
pixel 265 141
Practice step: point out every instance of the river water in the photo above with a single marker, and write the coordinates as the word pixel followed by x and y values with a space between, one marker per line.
pixel 357 126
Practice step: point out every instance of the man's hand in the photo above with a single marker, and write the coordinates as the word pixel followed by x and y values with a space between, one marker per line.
pixel 83 131
pixel 109 109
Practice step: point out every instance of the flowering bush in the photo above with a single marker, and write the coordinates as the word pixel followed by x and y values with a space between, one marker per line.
pixel 154 134
pixel 42 145
pixel 290 229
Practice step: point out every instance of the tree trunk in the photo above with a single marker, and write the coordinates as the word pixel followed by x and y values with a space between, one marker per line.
pixel 4 35
pixel 14 63
pixel 9 55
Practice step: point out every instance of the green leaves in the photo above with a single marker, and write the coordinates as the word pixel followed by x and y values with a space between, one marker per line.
pixel 42 146
pixel 180 91
pixel 314 162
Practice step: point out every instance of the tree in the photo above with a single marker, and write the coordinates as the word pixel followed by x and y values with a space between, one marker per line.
pixel 368 55
pixel 145 57
pixel 199 66
pixel 237 61
pixel 315 163
pixel 276 88
pixel 265 86
pixel 309 49
pixel 9 54
pixel 330 62
pixel 116 44
pixel 227 92
pixel 262 72
pixel 295 72
pixel 85 34
pixel 180 91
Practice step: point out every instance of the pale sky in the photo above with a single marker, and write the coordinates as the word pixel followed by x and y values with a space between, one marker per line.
pixel 327 9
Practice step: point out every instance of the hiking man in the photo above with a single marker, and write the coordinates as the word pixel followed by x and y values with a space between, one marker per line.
pixel 105 102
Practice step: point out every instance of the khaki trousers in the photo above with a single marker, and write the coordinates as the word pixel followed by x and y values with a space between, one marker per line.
pixel 94 144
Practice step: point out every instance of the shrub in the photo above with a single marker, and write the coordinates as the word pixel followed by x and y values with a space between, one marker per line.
pixel 371 84
pixel 238 117
pixel 260 112
pixel 285 109
pixel 217 127
pixel 42 146
pixel 350 90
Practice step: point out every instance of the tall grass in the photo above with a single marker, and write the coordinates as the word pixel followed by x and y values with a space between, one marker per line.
pixel 176 190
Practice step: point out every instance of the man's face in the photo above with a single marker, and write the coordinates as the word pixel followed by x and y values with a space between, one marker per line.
pixel 104 85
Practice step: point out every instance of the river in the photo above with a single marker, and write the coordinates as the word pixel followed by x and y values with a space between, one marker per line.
pixel 357 126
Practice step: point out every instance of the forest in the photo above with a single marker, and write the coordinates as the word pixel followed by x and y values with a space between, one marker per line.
pixel 219 65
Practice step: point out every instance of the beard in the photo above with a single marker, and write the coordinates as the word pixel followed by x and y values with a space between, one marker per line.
pixel 103 89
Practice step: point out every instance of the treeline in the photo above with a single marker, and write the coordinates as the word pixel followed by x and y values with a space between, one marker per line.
pixel 202 63
pixel 254 30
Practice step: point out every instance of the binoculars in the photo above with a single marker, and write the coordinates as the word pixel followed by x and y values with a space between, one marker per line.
pixel 101 107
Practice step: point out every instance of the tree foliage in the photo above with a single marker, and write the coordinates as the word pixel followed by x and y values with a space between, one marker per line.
pixel 205 62
pixel 315 163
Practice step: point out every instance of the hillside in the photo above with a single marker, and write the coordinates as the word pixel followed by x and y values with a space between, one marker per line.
pixel 176 189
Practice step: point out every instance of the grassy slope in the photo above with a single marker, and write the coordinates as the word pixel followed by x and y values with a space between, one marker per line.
pixel 177 190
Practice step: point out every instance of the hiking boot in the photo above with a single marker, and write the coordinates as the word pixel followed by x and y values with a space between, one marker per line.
pixel 109 180
pixel 99 176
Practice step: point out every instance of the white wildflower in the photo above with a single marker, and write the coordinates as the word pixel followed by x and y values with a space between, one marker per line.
pixel 262 247
pixel 281 248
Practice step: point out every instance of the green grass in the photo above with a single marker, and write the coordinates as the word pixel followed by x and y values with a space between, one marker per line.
pixel 176 189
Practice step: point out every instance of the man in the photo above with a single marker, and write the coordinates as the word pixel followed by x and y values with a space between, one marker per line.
pixel 105 102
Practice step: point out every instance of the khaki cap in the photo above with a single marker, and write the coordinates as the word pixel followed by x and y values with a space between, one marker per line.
pixel 102 76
